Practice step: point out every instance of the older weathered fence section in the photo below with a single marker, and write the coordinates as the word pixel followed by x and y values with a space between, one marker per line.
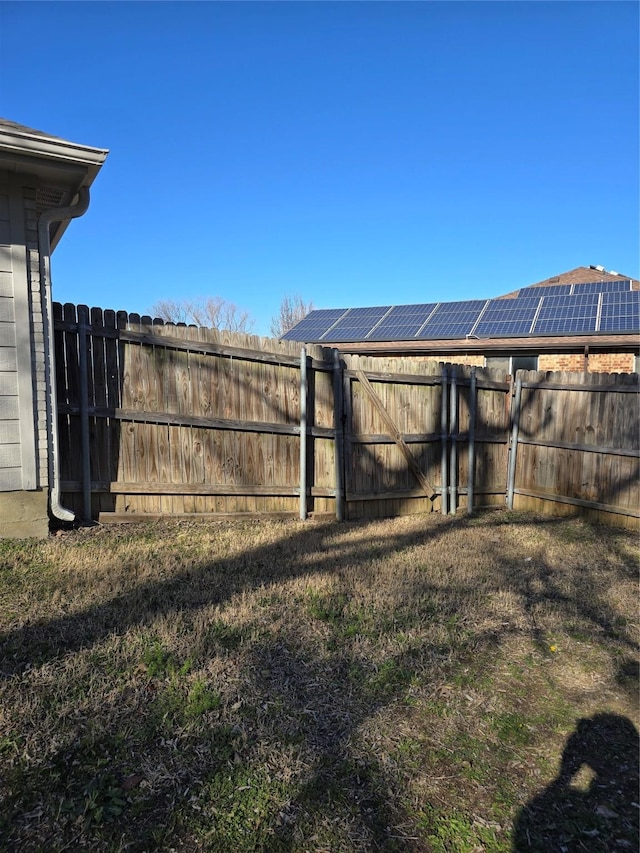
pixel 159 419
pixel 576 444
pixel 163 419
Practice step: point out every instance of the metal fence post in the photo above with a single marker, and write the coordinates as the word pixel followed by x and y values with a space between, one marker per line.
pixel 444 412
pixel 473 399
pixel 453 428
pixel 303 433
pixel 339 435
pixel 515 426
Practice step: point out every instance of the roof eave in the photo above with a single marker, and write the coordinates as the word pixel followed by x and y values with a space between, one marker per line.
pixel 34 147
pixel 574 343
pixel 53 161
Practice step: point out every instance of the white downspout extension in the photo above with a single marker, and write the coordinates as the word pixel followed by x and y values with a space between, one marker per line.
pixel 55 214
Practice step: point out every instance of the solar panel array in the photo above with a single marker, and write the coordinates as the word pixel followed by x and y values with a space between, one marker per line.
pixel 403 321
pixel 567 314
pixel 564 309
pixel 452 319
pixel 620 312
pixel 356 323
pixel 550 290
pixel 508 317
pixel 618 286
pixel 315 324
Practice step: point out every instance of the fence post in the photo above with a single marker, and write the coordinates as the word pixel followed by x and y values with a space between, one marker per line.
pixel 83 391
pixel 339 435
pixel 443 442
pixel 347 420
pixel 453 427
pixel 515 426
pixel 303 433
pixel 472 436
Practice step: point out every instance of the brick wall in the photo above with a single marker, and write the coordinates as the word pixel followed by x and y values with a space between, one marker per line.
pixel 598 362
pixel 472 359
pixel 605 362
pixel 573 362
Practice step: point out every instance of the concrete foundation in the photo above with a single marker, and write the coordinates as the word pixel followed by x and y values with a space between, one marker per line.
pixel 23 515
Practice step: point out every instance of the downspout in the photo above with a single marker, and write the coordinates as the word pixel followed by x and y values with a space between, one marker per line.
pixel 55 214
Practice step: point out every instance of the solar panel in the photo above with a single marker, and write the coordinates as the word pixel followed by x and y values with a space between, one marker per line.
pixel 355 325
pixel 424 309
pixel 314 324
pixel 602 287
pixel 401 323
pixel 550 290
pixel 620 312
pixel 508 317
pixel 567 314
pixel 452 320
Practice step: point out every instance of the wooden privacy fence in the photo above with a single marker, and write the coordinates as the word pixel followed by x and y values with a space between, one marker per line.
pixel 158 420
pixel 575 442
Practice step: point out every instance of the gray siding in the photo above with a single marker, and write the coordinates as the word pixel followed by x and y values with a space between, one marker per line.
pixel 18 460
pixel 10 451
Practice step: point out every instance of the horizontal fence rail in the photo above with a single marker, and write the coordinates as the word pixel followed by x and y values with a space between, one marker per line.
pixel 159 419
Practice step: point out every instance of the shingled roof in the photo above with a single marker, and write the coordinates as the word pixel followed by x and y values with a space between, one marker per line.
pixel 7 124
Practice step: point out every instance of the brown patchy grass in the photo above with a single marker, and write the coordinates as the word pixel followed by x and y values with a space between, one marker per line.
pixel 407 684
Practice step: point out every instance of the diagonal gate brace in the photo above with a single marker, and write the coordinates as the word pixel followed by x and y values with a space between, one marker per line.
pixel 396 435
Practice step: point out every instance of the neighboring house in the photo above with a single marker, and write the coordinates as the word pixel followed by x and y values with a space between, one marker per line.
pixel 587 319
pixel 44 183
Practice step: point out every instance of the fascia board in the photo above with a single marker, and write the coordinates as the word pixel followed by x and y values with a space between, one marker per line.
pixel 72 175
pixel 50 158
pixel 52 148
pixel 627 341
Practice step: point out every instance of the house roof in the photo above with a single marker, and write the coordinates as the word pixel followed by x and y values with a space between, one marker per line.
pixel 580 275
pixel 585 306
pixel 60 167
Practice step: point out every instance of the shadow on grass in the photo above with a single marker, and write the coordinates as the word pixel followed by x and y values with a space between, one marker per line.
pixel 301 700
pixel 601 817
pixel 199 585
pixel 204 584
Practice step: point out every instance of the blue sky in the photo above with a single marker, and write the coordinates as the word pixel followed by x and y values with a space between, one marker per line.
pixel 354 153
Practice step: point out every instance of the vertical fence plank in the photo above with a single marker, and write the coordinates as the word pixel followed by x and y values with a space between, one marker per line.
pixel 339 436
pixel 472 439
pixel 100 438
pixel 83 392
pixel 444 429
pixel 304 388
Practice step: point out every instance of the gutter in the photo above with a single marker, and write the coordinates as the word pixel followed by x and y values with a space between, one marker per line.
pixel 55 214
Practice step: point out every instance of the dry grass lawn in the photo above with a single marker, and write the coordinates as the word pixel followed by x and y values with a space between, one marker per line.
pixel 423 684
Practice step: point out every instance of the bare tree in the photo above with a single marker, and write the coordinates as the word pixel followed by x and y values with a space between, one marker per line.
pixel 292 310
pixel 212 311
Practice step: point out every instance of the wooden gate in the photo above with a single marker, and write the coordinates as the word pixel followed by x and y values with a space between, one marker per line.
pixel 420 436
